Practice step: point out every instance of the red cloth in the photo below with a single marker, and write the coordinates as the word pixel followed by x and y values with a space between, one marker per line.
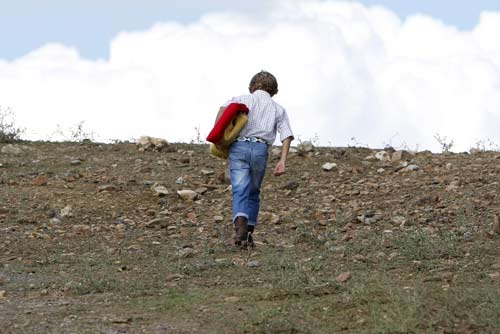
pixel 225 119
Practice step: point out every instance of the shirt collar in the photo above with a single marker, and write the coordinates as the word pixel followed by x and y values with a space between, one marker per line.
pixel 262 93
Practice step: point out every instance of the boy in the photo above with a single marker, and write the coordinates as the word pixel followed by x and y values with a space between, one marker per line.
pixel 248 154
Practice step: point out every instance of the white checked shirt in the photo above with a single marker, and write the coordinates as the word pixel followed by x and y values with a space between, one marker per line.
pixel 265 118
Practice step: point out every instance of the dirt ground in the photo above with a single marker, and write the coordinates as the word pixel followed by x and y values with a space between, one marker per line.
pixel 87 245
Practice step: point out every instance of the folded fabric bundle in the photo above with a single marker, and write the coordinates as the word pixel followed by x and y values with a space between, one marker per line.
pixel 224 120
pixel 227 128
pixel 230 134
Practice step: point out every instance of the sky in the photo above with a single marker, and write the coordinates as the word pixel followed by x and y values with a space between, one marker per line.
pixel 371 72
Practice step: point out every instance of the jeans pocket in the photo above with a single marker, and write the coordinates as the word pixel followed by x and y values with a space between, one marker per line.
pixel 237 157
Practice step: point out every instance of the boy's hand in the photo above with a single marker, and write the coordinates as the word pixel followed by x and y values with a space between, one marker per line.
pixel 280 168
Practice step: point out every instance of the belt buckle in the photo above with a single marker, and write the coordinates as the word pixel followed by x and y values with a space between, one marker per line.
pixel 258 140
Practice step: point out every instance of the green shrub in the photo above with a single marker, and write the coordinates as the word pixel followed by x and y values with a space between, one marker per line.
pixel 9 132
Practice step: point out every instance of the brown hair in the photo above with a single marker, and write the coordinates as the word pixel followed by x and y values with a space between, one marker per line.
pixel 264 81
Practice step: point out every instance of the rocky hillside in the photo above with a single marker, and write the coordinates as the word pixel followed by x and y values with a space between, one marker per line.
pixel 96 187
pixel 84 201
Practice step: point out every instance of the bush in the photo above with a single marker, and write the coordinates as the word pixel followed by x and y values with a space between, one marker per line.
pixel 9 132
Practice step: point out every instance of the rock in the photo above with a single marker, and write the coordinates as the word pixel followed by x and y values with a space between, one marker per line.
pixel 343 277
pixel 147 143
pixel 411 168
pixel 180 180
pixel 329 166
pixel 389 149
pixel 495 275
pixel 475 151
pixel 67 211
pixel 12 149
pixel 201 190
pixel 369 217
pixel 187 195
pixel 454 185
pixel 3 294
pixel 380 170
pixel 382 156
pixel 3 279
pixel 157 223
pixel 291 185
pixel 275 219
pixel 429 200
pixel 207 172
pixel 496 225
pixel 107 187
pixel 120 320
pixel 401 155
pixel 80 228
pixel 174 277
pixel 468 236
pixel 253 264
pixel 76 162
pixel 185 252
pixel 160 190
pixel 360 258
pixel 218 219
pixel 399 220
pixel 40 180
pixel 305 147
pixel 224 177
pixel 371 158
pixel 55 220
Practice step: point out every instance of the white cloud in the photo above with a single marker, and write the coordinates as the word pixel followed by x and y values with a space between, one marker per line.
pixel 359 71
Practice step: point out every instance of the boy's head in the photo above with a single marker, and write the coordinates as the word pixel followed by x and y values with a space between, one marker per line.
pixel 264 81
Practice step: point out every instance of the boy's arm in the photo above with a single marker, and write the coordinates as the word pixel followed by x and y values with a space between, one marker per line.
pixel 285 148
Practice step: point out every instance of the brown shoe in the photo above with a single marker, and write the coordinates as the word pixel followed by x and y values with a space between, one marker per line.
pixel 241 231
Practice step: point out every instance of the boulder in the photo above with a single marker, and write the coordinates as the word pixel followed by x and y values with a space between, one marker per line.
pixel 305 147
pixel 329 166
pixel 383 156
pixel 12 149
pixel 187 195
pixel 401 155
pixel 147 143
pixel 159 190
pixel 40 180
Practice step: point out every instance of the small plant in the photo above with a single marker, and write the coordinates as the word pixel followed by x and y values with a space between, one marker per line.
pixel 9 132
pixel 485 145
pixel 356 143
pixel 402 145
pixel 197 139
pixel 76 134
pixel 445 142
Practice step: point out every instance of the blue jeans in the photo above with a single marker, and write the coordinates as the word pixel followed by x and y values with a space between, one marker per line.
pixel 247 161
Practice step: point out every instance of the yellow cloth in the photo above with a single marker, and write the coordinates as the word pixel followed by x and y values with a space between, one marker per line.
pixel 230 134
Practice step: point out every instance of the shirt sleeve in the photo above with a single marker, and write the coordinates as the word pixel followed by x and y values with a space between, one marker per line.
pixel 283 126
pixel 236 99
